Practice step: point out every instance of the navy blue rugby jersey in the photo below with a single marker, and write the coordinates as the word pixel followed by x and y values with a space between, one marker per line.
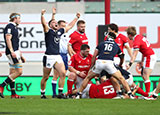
pixel 12 29
pixel 124 73
pixel 52 39
pixel 108 49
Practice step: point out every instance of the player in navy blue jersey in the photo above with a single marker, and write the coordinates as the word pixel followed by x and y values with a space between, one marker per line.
pixel 13 54
pixel 52 56
pixel 106 52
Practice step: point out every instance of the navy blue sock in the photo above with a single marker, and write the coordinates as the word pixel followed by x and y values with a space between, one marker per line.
pixel 54 83
pixel 12 86
pixel 7 81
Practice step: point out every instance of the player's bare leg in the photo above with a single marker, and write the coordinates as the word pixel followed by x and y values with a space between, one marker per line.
pixel 119 76
pixel 17 72
pixel 61 70
pixel 46 73
pixel 85 81
pixel 116 87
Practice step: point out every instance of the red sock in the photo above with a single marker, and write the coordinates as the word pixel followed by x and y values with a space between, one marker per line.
pixel 147 85
pixel 140 91
pixel 69 85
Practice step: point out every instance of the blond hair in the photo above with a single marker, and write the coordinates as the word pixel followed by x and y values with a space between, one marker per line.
pixel 13 16
pixel 131 30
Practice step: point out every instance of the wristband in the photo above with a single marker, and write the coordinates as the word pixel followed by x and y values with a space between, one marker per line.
pixel 130 64
pixel 77 72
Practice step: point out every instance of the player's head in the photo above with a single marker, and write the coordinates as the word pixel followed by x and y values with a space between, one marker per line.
pixel 15 17
pixel 62 24
pixel 131 32
pixel 85 50
pixel 81 25
pixel 113 28
pixel 111 35
pixel 53 24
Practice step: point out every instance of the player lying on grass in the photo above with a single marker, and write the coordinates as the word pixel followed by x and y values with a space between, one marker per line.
pixel 104 90
pixel 128 77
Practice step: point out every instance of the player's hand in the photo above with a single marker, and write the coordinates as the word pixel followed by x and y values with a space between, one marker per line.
pixel 23 59
pixel 43 11
pixel 127 67
pixel 13 54
pixel 82 74
pixel 78 15
pixel 140 64
pixel 54 10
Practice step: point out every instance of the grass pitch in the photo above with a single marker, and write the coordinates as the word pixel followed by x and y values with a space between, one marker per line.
pixel 33 105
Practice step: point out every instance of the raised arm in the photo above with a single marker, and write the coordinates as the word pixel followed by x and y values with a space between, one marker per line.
pixel 53 13
pixel 71 24
pixel 43 21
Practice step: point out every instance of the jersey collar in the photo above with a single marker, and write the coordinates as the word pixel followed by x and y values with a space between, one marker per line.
pixel 13 23
pixel 79 32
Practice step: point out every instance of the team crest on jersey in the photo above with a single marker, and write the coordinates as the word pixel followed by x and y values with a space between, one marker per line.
pixel 59 33
pixel 48 64
pixel 56 40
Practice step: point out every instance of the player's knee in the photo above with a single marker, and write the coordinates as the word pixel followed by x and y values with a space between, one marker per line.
pixel 19 72
pixel 72 75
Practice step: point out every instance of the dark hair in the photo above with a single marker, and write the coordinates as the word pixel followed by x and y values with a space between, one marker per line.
pixel 80 22
pixel 50 22
pixel 84 47
pixel 60 21
pixel 112 35
pixel 113 27
pixel 13 16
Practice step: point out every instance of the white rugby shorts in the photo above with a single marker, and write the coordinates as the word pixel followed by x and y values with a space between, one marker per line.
pixel 49 61
pixel 107 65
pixel 150 61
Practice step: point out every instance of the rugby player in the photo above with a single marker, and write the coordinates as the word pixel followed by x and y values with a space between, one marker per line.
pixel 11 37
pixel 141 44
pixel 79 66
pixel 106 52
pixel 52 57
pixel 122 42
pixel 65 48
pixel 78 37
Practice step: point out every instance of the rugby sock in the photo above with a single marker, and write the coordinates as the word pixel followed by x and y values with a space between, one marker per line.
pixel 12 86
pixel 147 85
pixel 70 83
pixel 140 91
pixel 42 92
pixel 60 90
pixel 54 83
pixel 7 81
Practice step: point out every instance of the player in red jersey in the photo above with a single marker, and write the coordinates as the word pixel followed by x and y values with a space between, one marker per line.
pixel 78 37
pixel 79 66
pixel 104 90
pixel 140 43
pixel 122 42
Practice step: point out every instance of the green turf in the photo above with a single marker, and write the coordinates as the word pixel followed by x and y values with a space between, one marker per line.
pixel 33 105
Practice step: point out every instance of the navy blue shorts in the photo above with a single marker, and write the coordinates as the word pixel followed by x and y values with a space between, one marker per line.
pixel 65 60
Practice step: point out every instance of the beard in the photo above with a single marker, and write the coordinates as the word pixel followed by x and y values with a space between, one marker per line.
pixel 82 31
